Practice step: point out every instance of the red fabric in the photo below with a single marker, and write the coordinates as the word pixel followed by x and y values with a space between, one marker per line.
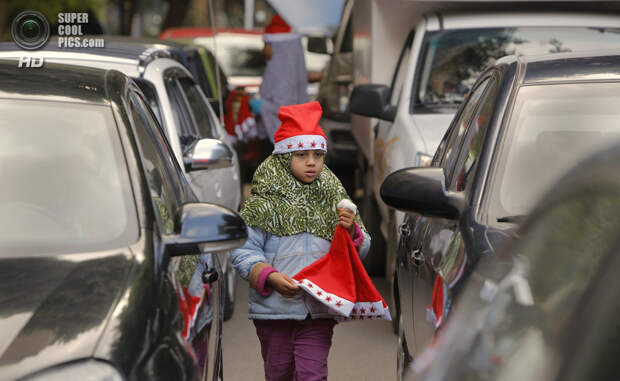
pixel 188 305
pixel 230 119
pixel 277 25
pixel 300 119
pixel 437 301
pixel 340 272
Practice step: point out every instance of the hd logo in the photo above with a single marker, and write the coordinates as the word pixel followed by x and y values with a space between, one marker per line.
pixel 30 61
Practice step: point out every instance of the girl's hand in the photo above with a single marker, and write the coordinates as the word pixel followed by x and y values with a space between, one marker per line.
pixel 346 219
pixel 283 284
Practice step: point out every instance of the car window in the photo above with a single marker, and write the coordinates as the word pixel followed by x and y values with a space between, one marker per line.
pixel 184 120
pixel 65 185
pixel 448 150
pixel 198 107
pixel 551 128
pixel 471 147
pixel 159 164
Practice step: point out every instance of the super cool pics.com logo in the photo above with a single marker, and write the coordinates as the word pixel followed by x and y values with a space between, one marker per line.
pixel 31 31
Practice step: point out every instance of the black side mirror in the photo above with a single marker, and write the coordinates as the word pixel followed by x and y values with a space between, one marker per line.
pixel 374 101
pixel 423 191
pixel 208 154
pixel 204 228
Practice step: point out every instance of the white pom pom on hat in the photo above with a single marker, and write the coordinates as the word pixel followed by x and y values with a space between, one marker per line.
pixel 347 204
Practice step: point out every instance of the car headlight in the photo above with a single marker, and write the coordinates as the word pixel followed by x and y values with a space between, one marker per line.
pixel 423 160
pixel 90 370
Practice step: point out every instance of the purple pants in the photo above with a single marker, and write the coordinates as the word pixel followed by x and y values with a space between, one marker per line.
pixel 295 349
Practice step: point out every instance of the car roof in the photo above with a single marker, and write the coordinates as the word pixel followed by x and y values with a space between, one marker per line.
pixel 126 48
pixel 53 82
pixel 589 66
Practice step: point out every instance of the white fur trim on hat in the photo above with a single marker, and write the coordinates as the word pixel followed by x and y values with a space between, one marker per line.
pixel 277 37
pixel 347 204
pixel 301 143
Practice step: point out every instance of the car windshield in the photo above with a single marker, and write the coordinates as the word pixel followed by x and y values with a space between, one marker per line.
pixel 551 129
pixel 455 58
pixel 65 187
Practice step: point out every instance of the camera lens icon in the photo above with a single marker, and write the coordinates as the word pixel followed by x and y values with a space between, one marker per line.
pixel 30 30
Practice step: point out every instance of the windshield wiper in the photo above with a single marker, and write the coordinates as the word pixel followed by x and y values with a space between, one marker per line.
pixel 513 219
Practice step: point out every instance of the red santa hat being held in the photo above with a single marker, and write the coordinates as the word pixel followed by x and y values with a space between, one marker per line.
pixel 339 281
pixel 300 129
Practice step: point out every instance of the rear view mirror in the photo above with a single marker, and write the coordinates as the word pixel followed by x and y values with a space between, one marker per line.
pixel 373 101
pixel 208 154
pixel 205 228
pixel 423 191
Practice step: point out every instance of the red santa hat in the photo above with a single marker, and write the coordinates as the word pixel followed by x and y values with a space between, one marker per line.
pixel 300 129
pixel 339 281
pixel 278 30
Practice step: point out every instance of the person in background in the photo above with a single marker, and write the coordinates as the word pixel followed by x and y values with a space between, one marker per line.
pixel 292 215
pixel 285 79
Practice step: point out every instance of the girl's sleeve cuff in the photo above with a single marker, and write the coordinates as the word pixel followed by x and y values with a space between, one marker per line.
pixel 261 286
pixel 359 236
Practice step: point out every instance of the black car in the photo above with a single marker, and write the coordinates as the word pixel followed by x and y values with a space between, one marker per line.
pixel 525 121
pixel 547 307
pixel 98 230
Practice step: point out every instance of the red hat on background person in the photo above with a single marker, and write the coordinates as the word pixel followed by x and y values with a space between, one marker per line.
pixel 278 30
pixel 277 25
pixel 300 129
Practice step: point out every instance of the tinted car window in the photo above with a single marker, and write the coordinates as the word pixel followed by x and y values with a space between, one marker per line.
pixel 474 138
pixel 552 127
pixel 162 176
pixel 448 150
pixel 65 187
pixel 198 107
pixel 186 127
pixel 455 58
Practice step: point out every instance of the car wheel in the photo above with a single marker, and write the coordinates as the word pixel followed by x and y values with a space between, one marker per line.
pixel 402 354
pixel 374 262
pixel 229 294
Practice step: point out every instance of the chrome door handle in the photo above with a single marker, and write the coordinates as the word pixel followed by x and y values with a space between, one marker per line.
pixel 417 258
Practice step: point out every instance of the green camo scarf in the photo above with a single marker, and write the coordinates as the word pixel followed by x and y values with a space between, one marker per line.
pixel 282 205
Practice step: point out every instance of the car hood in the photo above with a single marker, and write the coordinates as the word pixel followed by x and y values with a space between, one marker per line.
pixel 53 309
pixel 432 128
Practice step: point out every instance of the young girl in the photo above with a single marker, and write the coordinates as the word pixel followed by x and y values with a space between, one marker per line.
pixel 291 216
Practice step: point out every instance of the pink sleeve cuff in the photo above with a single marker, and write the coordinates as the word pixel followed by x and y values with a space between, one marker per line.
pixel 261 286
pixel 359 236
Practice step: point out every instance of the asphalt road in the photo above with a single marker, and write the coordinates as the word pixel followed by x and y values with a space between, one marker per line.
pixel 361 350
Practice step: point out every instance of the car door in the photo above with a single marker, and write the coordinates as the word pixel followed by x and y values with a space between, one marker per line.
pixel 197 121
pixel 169 192
pixel 440 236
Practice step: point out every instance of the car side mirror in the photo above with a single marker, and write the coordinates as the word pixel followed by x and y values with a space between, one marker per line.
pixel 208 154
pixel 205 228
pixel 374 101
pixel 423 191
